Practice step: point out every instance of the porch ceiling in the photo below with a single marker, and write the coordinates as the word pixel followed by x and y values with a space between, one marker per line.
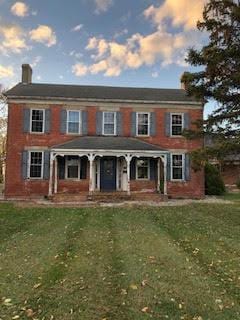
pixel 107 143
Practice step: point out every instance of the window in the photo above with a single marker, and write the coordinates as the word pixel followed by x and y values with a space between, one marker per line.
pixel 142 169
pixel 176 124
pixel 142 124
pixel 36 165
pixel 177 166
pixel 37 120
pixel 109 123
pixel 72 168
pixel 73 122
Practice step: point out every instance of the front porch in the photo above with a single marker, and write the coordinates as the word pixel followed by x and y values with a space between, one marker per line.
pixel 139 169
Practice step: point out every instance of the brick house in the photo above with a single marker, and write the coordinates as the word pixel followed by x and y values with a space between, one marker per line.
pixel 67 139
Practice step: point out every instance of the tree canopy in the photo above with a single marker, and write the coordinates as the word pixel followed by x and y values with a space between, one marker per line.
pixel 219 78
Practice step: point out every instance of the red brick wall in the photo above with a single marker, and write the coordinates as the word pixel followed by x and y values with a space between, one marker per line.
pixel 230 174
pixel 17 140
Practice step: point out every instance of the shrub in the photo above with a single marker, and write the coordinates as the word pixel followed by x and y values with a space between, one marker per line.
pixel 214 184
pixel 238 183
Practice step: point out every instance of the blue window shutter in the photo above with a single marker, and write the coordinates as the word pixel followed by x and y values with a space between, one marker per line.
pixel 187 167
pixel 133 169
pixel 153 169
pixel 63 124
pixel 84 122
pixel 169 167
pixel 26 120
pixel 152 124
pixel 46 165
pixel 186 121
pixel 25 165
pixel 47 120
pixel 167 120
pixel 83 168
pixel 99 121
pixel 61 167
pixel 133 124
pixel 119 123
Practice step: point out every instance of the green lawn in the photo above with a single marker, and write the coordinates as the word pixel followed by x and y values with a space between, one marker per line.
pixel 120 263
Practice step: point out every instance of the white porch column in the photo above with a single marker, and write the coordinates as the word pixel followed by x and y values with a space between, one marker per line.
pixel 91 159
pixel 159 175
pixel 128 158
pixel 55 174
pixel 165 175
pixel 50 175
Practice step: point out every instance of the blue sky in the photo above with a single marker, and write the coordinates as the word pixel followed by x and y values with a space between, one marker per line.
pixel 105 42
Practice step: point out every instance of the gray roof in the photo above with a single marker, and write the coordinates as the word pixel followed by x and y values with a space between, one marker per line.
pixel 107 143
pixel 61 92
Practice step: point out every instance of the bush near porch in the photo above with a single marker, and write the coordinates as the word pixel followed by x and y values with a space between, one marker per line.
pixel 120 263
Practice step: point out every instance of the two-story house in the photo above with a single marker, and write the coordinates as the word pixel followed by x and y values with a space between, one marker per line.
pixel 76 139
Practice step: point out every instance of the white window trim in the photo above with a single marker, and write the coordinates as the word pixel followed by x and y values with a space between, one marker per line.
pixel 136 173
pixel 115 123
pixel 176 114
pixel 66 171
pixel 79 122
pixel 143 135
pixel 183 166
pixel 29 164
pixel 43 127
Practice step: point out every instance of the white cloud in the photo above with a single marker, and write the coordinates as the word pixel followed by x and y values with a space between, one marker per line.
pixel 155 74
pixel 181 13
pixel 13 39
pixel 77 28
pixel 102 5
pixel 44 34
pixel 36 61
pixel 6 72
pixel 162 47
pixel 20 9
pixel 79 69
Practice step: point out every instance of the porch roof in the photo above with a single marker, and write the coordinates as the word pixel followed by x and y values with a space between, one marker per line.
pixel 107 143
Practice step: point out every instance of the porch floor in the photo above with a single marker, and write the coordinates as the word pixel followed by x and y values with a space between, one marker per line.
pixel 117 196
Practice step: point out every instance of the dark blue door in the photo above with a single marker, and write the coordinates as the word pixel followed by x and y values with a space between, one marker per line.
pixel 108 174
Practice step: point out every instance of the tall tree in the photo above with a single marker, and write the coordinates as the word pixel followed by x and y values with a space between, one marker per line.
pixel 220 79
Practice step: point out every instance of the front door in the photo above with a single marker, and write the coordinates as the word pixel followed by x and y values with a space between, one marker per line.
pixel 108 174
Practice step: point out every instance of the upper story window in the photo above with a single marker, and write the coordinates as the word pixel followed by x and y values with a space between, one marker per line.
pixel 143 124
pixel 73 121
pixel 37 120
pixel 142 169
pixel 177 166
pixel 109 123
pixel 72 168
pixel 176 124
pixel 36 165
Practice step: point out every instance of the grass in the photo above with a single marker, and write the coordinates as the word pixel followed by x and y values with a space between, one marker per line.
pixel 120 263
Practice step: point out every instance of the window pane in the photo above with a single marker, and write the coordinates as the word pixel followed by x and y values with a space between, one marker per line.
pixel 177 173
pixel 177 160
pixel 35 165
pixel 176 130
pixel 109 129
pixel 109 117
pixel 73 172
pixel 177 119
pixel 73 127
pixel 143 124
pixel 73 116
pixel 37 120
pixel 142 169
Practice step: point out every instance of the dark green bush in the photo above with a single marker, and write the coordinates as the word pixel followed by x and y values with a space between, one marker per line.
pixel 238 183
pixel 214 184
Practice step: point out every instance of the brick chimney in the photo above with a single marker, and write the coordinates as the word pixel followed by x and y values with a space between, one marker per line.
pixel 184 81
pixel 26 74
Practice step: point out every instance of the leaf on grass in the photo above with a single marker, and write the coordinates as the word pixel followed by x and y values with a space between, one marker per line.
pixel 145 309
pixel 133 287
pixel 143 283
pixel 29 313
pixel 7 302
pixel 37 285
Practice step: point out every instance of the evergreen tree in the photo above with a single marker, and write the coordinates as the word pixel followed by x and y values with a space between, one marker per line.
pixel 220 79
